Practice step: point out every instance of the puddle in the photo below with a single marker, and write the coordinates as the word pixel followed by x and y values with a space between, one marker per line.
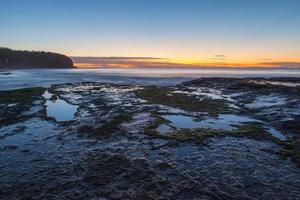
pixel 59 109
pixel 181 121
pixel 205 92
pixel 266 101
pixel 279 83
pixel 164 128
pixel 275 133
pixel 234 119
pixel 223 122
pixel 12 105
pixel 37 153
pixel 226 122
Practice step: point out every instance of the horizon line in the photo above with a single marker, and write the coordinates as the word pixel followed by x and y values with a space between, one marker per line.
pixel 155 62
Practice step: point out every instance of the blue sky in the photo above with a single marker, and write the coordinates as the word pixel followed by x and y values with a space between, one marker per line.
pixel 190 30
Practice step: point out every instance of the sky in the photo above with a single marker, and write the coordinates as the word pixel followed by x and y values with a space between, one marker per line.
pixel 157 32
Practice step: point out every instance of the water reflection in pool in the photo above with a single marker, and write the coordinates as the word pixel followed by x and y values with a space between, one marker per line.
pixel 59 109
pixel 225 122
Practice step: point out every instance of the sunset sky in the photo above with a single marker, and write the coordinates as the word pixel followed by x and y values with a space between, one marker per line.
pixel 130 33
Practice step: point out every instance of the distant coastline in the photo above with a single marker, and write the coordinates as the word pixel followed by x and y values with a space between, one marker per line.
pixel 16 59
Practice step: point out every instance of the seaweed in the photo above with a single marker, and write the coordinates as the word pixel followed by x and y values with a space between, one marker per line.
pixel 164 95
pixel 107 129
pixel 16 102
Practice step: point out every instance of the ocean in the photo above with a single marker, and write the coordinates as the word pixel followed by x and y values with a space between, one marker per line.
pixel 14 79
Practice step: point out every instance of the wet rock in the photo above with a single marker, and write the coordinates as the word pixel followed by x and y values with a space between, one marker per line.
pixel 128 153
pixel 9 147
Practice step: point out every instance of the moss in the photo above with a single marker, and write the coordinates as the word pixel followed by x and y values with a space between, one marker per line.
pixel 115 123
pixel 291 149
pixel 163 166
pixel 23 98
pixel 20 95
pixel 85 129
pixel 292 126
pixel 253 131
pixel 161 95
pixel 150 130
pixel 282 89
pixel 182 135
pixel 107 129
pixel 52 89
pixel 197 136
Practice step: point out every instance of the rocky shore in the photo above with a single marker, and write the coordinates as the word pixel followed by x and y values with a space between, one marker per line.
pixel 210 138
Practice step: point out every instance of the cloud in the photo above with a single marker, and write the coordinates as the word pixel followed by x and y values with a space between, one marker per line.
pixel 110 59
pixel 219 57
pixel 152 62
pixel 122 62
pixel 129 62
pixel 282 64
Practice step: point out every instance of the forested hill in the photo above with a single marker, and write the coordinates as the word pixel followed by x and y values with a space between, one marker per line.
pixel 33 59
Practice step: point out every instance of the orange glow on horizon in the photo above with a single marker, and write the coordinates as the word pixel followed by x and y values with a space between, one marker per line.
pixel 127 62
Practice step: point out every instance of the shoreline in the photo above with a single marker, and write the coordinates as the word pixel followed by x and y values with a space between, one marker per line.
pixel 20 78
pixel 151 136
pixel 29 68
pixel 157 68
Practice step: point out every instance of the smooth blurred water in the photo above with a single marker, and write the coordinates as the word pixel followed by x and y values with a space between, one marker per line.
pixel 147 76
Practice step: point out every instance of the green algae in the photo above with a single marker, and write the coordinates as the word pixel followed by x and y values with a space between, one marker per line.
pixel 107 129
pixel 165 96
pixel 15 102
pixel 290 148
pixel 20 95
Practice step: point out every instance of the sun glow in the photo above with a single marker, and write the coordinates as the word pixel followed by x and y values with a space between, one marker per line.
pixel 142 62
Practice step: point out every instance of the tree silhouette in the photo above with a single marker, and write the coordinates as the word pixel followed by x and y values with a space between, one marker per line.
pixel 35 59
